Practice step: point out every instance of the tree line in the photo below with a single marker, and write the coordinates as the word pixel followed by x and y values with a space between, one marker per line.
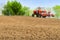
pixel 15 8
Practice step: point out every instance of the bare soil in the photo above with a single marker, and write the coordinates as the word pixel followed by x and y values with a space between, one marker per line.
pixel 29 28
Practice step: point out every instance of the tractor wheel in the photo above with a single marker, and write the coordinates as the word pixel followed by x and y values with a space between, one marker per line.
pixel 44 16
pixel 52 15
pixel 39 15
pixel 33 15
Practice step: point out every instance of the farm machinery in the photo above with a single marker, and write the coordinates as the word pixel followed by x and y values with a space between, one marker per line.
pixel 42 13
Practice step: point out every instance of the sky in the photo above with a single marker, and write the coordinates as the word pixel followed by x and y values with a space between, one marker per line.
pixel 34 3
pixel 40 3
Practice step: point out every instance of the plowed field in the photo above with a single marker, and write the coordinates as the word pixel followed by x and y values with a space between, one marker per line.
pixel 29 28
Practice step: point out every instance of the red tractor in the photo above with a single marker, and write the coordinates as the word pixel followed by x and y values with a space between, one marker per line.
pixel 40 13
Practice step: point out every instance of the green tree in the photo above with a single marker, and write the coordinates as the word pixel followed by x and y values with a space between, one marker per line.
pixel 25 11
pixel 15 8
pixel 12 8
pixel 57 10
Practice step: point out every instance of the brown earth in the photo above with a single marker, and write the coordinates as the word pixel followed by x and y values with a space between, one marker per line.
pixel 29 28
